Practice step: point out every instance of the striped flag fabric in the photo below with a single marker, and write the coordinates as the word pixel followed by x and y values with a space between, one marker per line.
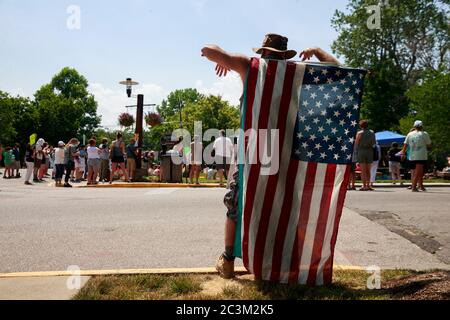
pixel 289 209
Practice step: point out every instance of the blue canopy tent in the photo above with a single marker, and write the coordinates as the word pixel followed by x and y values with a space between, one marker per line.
pixel 385 138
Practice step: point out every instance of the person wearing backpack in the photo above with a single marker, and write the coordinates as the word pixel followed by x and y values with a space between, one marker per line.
pixel 117 152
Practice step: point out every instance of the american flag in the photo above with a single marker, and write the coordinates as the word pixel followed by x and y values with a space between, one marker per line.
pixel 288 220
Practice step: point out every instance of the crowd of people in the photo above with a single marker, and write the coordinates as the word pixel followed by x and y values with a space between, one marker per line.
pixel 224 159
pixel 74 162
pixel 102 161
pixel 413 157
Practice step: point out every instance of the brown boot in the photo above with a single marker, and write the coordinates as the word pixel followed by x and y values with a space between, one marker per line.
pixel 225 268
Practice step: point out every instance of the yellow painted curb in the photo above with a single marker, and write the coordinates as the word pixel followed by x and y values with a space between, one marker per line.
pixel 348 268
pixel 238 270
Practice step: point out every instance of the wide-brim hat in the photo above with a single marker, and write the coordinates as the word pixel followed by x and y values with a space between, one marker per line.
pixel 277 43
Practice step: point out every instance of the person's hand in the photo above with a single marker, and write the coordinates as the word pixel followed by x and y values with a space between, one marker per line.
pixel 307 53
pixel 208 50
pixel 221 70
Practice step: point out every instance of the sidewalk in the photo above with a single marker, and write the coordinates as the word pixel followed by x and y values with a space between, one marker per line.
pixel 37 288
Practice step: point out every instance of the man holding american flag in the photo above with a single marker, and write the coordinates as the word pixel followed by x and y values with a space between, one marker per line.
pixel 284 224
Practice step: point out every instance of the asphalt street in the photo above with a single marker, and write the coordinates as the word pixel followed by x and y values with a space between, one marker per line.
pixel 43 228
pixel 423 218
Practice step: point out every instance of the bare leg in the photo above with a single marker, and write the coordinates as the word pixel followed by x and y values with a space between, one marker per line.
pixel 127 178
pixel 419 175
pixel 113 172
pixel 230 233
pixel 191 174
pixel 197 174
pixel 363 175
pixel 221 176
pixel 368 168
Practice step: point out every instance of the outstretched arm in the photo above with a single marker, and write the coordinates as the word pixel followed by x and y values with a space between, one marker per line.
pixel 225 60
pixel 320 54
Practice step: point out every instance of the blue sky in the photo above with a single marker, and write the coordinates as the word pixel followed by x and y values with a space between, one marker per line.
pixel 155 42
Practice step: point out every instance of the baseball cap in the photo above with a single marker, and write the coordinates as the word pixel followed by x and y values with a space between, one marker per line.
pixel 61 144
pixel 418 124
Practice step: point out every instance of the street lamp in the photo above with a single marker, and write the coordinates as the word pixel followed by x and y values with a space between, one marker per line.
pixel 129 83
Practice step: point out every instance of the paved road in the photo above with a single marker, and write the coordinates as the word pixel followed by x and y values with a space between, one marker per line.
pixel 423 218
pixel 45 229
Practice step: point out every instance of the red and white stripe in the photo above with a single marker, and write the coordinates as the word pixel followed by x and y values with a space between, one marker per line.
pixel 290 219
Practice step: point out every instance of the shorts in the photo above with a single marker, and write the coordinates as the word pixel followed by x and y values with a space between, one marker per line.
pixel 80 165
pixel 416 162
pixel 409 165
pixel 131 164
pixel 394 165
pixel 231 198
pixel 118 160
pixel 37 163
pixel 9 165
pixel 223 163
pixel 365 155
pixel 16 164
pixel 94 164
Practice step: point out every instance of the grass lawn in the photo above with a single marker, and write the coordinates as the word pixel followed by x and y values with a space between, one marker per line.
pixel 348 285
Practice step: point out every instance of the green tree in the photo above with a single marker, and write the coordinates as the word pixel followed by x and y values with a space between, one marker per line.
pixel 213 112
pixel 414 37
pixel 152 137
pixel 66 108
pixel 7 130
pixel 176 100
pixel 430 102
pixel 17 118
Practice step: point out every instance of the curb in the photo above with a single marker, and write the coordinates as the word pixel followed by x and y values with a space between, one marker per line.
pixel 170 271
pixel 154 185
pixel 429 185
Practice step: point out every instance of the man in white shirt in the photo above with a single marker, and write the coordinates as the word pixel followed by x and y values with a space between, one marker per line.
pixel 223 148
pixel 59 163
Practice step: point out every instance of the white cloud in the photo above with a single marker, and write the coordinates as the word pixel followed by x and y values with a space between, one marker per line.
pixel 111 103
pixel 229 87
